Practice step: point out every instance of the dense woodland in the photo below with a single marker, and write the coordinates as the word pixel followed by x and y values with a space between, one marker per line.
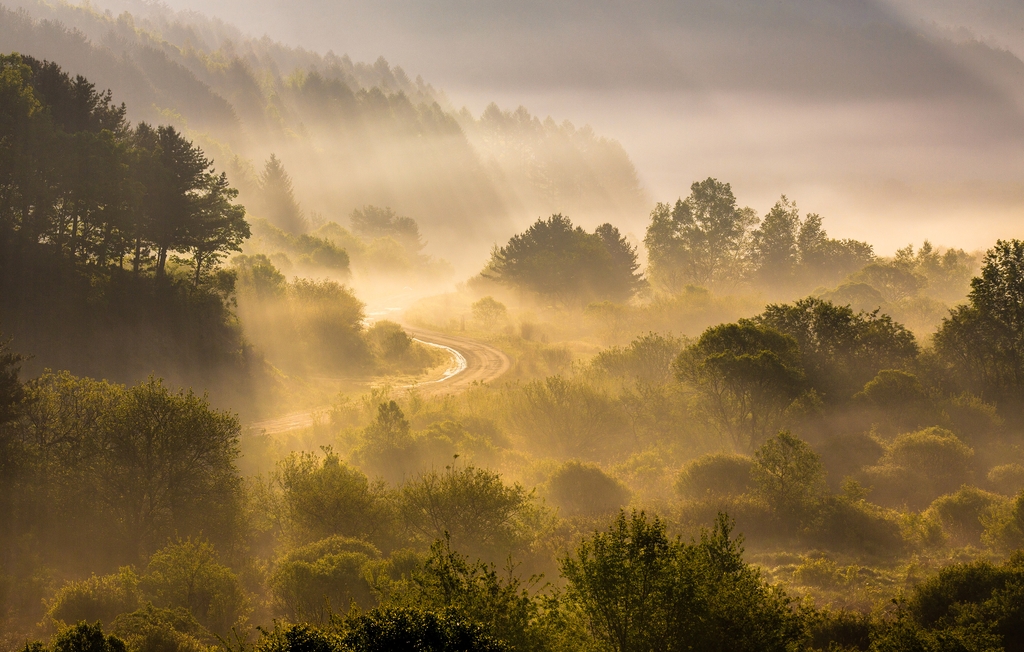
pixel 764 439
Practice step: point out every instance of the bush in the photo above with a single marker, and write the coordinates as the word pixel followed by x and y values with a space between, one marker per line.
pixel 84 637
pixel 963 513
pixel 389 629
pixel 483 516
pixel 1007 479
pixel 98 598
pixel 857 527
pixel 161 630
pixel 188 575
pixel 716 474
pixel 583 489
pixel 1005 526
pixel 325 577
pixel 919 467
pixel 323 496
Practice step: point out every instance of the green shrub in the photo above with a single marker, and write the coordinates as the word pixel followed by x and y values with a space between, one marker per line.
pixel 1007 479
pixel 98 598
pixel 918 467
pixel 187 574
pixel 584 489
pixel 325 577
pixel 162 630
pixel 389 629
pixel 1004 527
pixel 84 637
pixel 963 513
pixel 716 474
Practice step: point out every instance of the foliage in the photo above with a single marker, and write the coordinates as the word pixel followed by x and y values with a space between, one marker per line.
pixel 982 342
pixel 278 198
pixel 638 590
pixel 577 488
pixel 151 629
pixel 314 581
pixel 789 477
pixel 489 312
pixel 448 582
pixel 323 496
pixel 97 598
pixel 568 417
pixel 747 375
pixel 646 359
pixel 84 637
pixel 565 263
pixel 918 467
pixel 841 350
pixel 698 241
pixel 386 629
pixel 187 574
pixel 480 514
pixel 715 474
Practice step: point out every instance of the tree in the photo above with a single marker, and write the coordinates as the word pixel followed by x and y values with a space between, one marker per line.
pixel 774 245
pixel 700 240
pixel 789 477
pixel 983 342
pixel 841 350
pixel 557 260
pixel 278 197
pixel 637 590
pixel 11 390
pixel 187 574
pixel 84 637
pixel 824 260
pixel 747 374
pixel 374 222
pixel 480 514
pixel 219 225
pixel 323 496
pixel 167 462
pixel 489 311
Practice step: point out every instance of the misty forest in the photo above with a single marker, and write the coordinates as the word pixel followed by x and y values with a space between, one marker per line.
pixel 302 354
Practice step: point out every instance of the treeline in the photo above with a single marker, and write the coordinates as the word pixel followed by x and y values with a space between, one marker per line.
pixel 709 259
pixel 111 238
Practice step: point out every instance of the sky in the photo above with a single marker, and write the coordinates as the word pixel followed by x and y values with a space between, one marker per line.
pixel 899 120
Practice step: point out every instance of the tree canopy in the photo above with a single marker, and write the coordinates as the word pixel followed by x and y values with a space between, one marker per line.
pixel 555 259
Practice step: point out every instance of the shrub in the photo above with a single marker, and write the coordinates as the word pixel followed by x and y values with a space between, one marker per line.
pixel 715 474
pixel 315 580
pixel 98 598
pixel 161 630
pixel 84 637
pixel 962 513
pixel 389 629
pixel 789 478
pixel 583 489
pixel 918 467
pixel 187 574
pixel 1004 528
pixel 323 496
pixel 1007 479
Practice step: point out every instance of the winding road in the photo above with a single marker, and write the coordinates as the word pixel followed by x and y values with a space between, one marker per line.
pixel 471 362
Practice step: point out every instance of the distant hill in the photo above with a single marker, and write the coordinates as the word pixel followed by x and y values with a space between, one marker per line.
pixel 348 133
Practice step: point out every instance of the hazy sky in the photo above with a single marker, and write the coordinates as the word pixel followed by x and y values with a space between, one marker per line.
pixel 860 110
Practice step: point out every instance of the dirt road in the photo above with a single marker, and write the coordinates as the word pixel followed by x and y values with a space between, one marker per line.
pixel 471 362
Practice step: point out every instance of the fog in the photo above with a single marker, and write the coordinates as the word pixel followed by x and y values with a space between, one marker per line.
pixel 899 120
pixel 353 325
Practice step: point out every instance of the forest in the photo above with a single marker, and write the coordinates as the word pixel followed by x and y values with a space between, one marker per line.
pixel 731 432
